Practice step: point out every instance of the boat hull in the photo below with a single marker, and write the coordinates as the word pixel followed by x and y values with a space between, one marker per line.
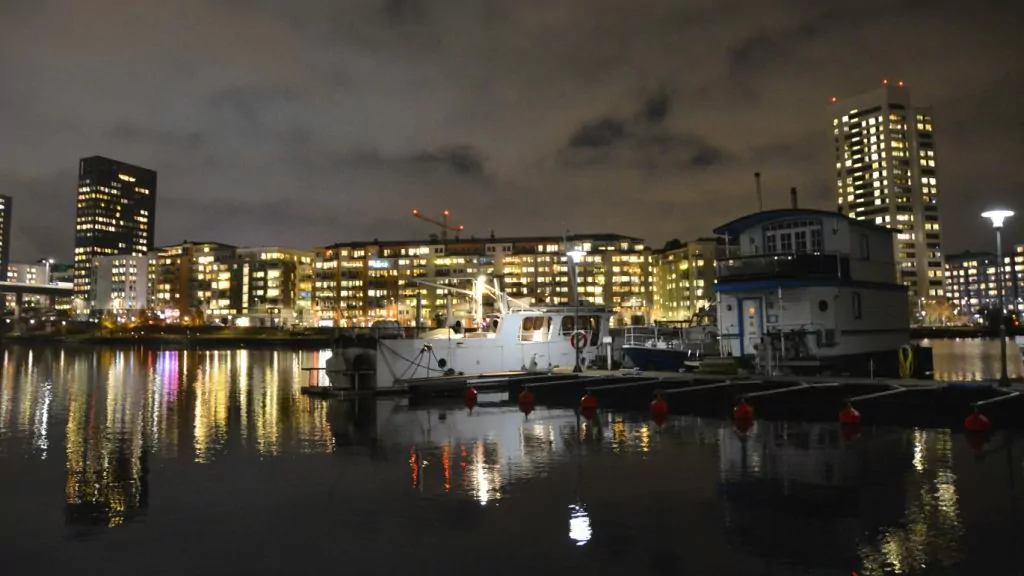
pixel 406 359
pixel 661 359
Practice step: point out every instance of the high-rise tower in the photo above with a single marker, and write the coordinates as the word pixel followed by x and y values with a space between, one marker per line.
pixel 116 215
pixel 885 173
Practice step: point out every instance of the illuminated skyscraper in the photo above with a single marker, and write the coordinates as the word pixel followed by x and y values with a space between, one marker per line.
pixel 5 235
pixel 885 173
pixel 116 216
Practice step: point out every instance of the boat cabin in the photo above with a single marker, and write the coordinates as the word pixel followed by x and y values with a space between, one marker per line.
pixel 536 325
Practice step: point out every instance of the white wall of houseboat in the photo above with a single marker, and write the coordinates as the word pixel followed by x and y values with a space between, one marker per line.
pixel 864 319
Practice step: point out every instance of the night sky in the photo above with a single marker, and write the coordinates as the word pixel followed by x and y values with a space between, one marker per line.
pixel 307 122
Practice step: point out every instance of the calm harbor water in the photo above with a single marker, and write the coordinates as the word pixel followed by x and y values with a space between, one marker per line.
pixel 137 461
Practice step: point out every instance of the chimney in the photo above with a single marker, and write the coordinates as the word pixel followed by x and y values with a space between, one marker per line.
pixel 757 183
pixel 792 198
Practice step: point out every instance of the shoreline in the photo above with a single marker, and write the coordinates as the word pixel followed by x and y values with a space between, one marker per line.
pixel 317 342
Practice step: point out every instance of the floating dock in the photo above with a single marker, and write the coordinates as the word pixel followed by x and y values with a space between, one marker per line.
pixel 923 403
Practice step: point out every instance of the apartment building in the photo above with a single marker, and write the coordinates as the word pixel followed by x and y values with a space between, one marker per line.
pixel 357 283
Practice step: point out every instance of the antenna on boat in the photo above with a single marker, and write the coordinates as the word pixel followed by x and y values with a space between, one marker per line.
pixel 757 185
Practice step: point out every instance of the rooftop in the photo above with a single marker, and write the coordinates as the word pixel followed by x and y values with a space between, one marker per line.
pixel 744 223
pixel 601 237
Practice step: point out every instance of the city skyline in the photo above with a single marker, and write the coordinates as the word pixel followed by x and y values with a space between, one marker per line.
pixel 616 118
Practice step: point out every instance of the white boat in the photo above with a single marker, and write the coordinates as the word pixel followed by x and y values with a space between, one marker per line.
pixel 516 338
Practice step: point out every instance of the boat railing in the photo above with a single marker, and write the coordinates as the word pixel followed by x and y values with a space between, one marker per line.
pixel 802 265
pixel 667 337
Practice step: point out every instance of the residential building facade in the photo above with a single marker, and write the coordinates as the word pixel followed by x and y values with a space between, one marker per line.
pixel 195 282
pixel 116 215
pixel 684 278
pixel 886 174
pixel 972 285
pixel 21 273
pixel 6 211
pixel 121 284
pixel 276 286
pixel 358 283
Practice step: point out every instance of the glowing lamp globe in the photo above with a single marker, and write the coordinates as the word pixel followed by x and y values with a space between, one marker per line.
pixel 997 217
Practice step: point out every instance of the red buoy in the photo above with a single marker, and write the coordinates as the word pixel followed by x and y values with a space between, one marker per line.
pixel 526 397
pixel 977 422
pixel 589 413
pixel 977 440
pixel 659 418
pixel 659 407
pixel 470 396
pixel 850 432
pixel 526 401
pixel 743 425
pixel 743 411
pixel 849 416
pixel 589 401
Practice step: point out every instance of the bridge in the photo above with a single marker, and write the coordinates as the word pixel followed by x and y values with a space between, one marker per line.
pixel 51 291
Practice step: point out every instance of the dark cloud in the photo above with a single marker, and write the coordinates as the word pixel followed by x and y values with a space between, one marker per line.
pixel 598 134
pixel 656 108
pixel 404 10
pixel 463 160
pixel 642 143
pixel 130 132
pixel 315 121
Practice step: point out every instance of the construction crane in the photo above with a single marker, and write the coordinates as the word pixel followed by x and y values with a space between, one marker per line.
pixel 442 223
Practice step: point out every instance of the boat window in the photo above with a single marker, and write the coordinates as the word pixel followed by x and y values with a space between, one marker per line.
pixel 816 240
pixel 567 327
pixel 787 242
pixel 535 329
pixel 790 236
pixel 800 239
pixel 588 323
pixel 595 330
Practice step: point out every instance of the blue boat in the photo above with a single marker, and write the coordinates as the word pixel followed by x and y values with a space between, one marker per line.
pixel 669 346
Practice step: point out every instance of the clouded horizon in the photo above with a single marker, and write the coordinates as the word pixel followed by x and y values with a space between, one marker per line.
pixel 304 123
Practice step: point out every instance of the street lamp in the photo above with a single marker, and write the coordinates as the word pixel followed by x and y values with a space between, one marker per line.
pixel 47 262
pixel 576 255
pixel 998 217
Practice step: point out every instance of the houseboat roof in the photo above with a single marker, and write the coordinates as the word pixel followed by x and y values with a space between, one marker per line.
pixel 744 223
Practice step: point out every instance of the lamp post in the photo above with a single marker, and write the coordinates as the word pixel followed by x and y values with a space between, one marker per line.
pixel 47 262
pixel 998 217
pixel 576 255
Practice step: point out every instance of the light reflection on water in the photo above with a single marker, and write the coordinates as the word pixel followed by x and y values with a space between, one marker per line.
pixel 136 435
pixel 973 359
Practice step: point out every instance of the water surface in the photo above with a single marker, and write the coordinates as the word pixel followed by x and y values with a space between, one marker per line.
pixel 139 461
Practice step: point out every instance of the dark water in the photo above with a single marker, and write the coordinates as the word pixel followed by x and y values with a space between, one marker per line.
pixel 149 462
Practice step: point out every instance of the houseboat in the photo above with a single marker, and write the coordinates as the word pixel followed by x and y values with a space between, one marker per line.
pixel 811 291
